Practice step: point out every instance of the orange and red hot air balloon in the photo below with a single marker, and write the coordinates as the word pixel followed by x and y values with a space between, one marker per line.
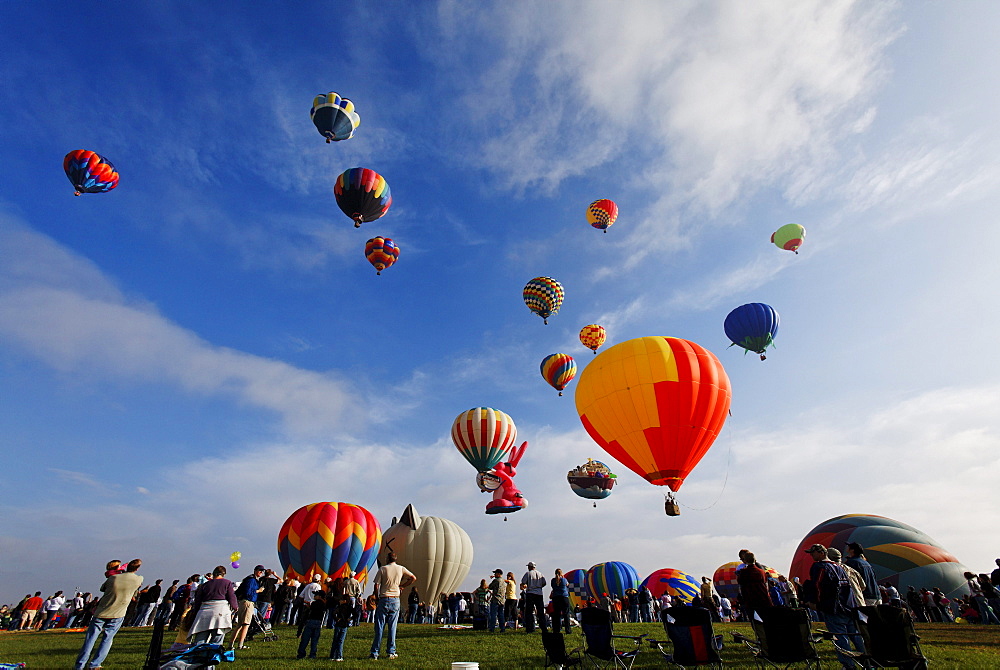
pixel 601 214
pixel 592 336
pixel 332 539
pixel 656 405
pixel 381 252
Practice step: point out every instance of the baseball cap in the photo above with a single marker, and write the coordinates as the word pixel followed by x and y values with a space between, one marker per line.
pixel 259 568
pixel 834 554
pixel 498 571
pixel 816 547
pixel 531 564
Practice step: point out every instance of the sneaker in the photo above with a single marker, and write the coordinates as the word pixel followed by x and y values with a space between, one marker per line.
pixel 373 657
pixel 392 656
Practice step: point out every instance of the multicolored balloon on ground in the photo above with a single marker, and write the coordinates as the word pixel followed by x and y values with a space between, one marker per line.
pixel 334 117
pixel 753 327
pixel 89 172
pixel 593 480
pixel 436 550
pixel 381 252
pixel 725 582
pixel 484 436
pixel 681 586
pixel 362 194
pixel 592 336
pixel 655 404
pixel 900 554
pixel 789 237
pixel 601 214
pixel 613 578
pixel 558 370
pixel 543 296
pixel 330 539
pixel 579 594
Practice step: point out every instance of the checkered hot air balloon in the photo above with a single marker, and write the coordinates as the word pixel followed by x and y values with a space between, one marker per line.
pixel 543 296
pixel 592 336
pixel 484 436
pixel 381 252
pixel 334 117
pixel 329 539
pixel 602 213
pixel 558 370
pixel 89 172
pixel 362 194
pixel 579 594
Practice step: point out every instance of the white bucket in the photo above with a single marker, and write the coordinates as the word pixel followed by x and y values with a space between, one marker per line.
pixel 465 665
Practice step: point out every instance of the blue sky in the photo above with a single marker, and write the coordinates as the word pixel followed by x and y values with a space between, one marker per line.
pixel 189 358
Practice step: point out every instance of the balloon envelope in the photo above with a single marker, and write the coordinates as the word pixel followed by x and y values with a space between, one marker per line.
pixel 329 539
pixel 593 336
pixel 725 582
pixel 752 326
pixel 681 586
pixel 484 436
pixel 381 252
pixel 593 480
pixel 613 578
pixel 362 194
pixel 558 370
pixel 655 404
pixel 436 550
pixel 334 116
pixel 602 213
pixel 89 172
pixel 543 296
pixel 789 237
pixel 899 554
pixel 579 594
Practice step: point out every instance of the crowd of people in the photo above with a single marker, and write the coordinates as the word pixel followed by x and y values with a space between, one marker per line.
pixel 206 608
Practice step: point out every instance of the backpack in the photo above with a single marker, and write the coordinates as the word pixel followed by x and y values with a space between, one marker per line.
pixel 243 591
pixel 181 594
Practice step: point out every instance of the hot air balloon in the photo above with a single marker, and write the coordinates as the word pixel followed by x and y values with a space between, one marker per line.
pixel 436 550
pixel 579 594
pixel 753 327
pixel 329 539
pixel 362 194
pixel 334 117
pixel 543 296
pixel 381 252
pixel 484 436
pixel 558 370
pixel 725 582
pixel 89 172
pixel 593 480
pixel 655 404
pixel 602 213
pixel 789 237
pixel 681 586
pixel 613 578
pixel 593 336
pixel 900 554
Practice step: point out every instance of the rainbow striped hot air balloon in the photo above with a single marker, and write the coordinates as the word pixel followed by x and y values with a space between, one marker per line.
pixel 330 539
pixel 592 336
pixel 362 194
pixel 602 213
pixel 681 586
pixel 558 370
pixel 89 172
pixel 484 436
pixel 613 578
pixel 381 252
pixel 543 296
pixel 579 594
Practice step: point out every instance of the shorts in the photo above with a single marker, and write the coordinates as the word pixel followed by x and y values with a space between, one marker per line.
pixel 244 615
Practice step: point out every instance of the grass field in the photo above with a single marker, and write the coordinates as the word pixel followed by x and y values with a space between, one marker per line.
pixel 946 645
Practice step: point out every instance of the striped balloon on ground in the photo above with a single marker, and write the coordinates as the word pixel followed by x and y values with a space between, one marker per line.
pixel 579 594
pixel 484 436
pixel 680 585
pixel 329 539
pixel 613 578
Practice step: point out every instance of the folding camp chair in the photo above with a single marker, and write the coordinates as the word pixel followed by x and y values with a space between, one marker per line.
pixel 601 649
pixel 555 651
pixel 890 639
pixel 692 637
pixel 784 638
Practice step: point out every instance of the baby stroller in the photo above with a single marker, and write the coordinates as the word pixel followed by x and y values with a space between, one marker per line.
pixel 262 628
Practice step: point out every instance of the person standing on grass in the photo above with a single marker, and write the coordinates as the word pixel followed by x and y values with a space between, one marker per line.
pixel 246 596
pixel 343 616
pixel 118 592
pixel 30 609
pixel 533 582
pixel 390 579
pixel 313 625
pixel 510 606
pixel 498 601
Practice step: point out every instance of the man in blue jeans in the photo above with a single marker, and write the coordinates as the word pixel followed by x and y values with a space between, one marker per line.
pixel 118 592
pixel 390 579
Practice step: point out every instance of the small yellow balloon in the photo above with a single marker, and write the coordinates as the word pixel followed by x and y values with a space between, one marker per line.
pixel 235 556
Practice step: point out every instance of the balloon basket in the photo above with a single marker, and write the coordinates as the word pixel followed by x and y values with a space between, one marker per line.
pixel 670 505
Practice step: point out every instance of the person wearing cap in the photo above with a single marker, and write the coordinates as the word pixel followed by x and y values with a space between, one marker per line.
pixel 306 595
pixel 856 559
pixel 498 600
pixel 857 581
pixel 533 583
pixel 390 579
pixel 832 595
pixel 247 594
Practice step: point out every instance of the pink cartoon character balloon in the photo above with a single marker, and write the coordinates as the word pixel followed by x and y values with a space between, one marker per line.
pixel 500 481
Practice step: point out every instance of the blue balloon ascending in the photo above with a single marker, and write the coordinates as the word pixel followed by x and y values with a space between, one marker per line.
pixel 753 327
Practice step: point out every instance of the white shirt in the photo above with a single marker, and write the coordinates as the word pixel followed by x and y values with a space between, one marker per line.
pixel 54 604
pixel 309 591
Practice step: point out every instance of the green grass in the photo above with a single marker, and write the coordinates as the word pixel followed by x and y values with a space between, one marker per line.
pixel 946 645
